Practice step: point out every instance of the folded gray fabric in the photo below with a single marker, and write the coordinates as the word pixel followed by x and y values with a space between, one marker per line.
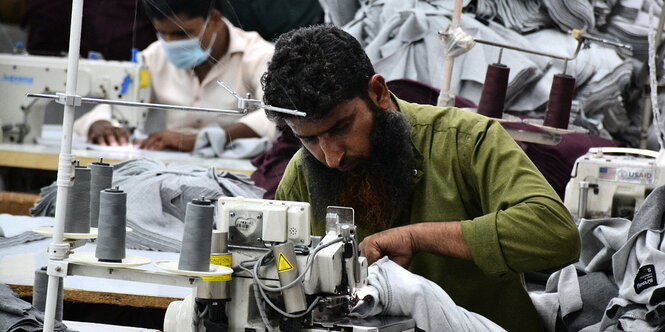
pixel 157 196
pixel 651 214
pixel 17 315
pixel 14 225
pixel 402 293
pixel 571 14
pixel 211 142
pixel 29 236
pixel 522 16
pixel 601 239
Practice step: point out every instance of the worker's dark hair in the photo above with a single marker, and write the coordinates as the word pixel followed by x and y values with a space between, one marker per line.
pixel 313 70
pixel 161 9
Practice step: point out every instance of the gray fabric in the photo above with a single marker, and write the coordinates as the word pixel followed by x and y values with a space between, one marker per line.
pixel 157 196
pixel 651 215
pixel 571 14
pixel 211 142
pixel 402 293
pixel 339 12
pixel 11 226
pixel 522 16
pixel 631 294
pixel 18 315
pixel 601 238
pixel 6 242
pixel 401 40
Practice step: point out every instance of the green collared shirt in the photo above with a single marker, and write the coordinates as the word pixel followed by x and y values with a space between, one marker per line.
pixel 469 169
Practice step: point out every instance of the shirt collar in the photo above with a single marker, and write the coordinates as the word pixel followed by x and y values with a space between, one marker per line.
pixel 418 171
pixel 236 41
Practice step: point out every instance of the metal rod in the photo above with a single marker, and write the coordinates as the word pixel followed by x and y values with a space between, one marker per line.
pixel 65 166
pixel 583 199
pixel 138 104
pixel 498 62
pixel 515 48
pixel 444 96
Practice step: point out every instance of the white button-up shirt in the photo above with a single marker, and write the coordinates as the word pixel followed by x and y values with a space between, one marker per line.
pixel 240 68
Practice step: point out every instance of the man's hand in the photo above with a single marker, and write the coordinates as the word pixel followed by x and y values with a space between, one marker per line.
pixel 396 243
pixel 169 139
pixel 103 132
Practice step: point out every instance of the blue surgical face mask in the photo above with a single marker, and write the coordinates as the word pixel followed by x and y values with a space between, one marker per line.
pixel 187 53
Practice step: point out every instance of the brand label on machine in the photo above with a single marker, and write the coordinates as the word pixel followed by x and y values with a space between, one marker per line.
pixel 627 174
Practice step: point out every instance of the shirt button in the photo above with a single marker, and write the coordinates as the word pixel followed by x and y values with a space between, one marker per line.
pixel 415 172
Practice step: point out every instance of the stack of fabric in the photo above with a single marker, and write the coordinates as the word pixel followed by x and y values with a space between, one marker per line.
pixel 401 41
pixel 571 14
pixel 630 24
pixel 15 230
pixel 521 16
pixel 17 315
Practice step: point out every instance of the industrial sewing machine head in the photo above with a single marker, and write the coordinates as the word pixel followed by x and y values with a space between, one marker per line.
pixel 272 246
pixel 284 279
pixel 22 118
pixel 613 182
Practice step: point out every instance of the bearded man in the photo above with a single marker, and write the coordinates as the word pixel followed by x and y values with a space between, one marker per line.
pixel 443 191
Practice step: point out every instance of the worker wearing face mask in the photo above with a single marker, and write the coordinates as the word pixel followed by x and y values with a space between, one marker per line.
pixel 196 47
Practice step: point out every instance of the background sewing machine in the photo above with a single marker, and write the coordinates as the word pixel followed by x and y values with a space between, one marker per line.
pixel 613 182
pixel 21 118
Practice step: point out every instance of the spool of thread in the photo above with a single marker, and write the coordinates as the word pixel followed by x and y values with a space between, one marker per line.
pixel 112 222
pixel 196 239
pixel 493 96
pixel 39 293
pixel 561 98
pixel 77 218
pixel 101 177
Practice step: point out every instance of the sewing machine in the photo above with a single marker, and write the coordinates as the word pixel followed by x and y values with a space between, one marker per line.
pixel 270 245
pixel 22 118
pixel 613 182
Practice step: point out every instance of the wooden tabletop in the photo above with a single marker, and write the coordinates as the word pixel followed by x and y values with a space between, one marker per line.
pixel 84 296
pixel 44 157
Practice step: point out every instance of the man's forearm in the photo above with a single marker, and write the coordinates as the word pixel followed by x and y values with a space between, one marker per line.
pixel 442 238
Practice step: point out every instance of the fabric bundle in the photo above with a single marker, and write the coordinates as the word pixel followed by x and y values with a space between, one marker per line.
pixel 157 196
pixel 618 283
pixel 17 315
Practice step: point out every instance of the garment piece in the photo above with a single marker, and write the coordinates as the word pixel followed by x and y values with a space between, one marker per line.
pixel 469 169
pixel 399 292
pixel 240 68
pixel 211 142
pixel 15 230
pixel 17 315
pixel 601 239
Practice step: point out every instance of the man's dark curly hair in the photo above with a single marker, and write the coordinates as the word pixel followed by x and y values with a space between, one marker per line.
pixel 315 69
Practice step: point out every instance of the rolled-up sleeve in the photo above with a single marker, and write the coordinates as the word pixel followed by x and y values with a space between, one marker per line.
pixel 525 227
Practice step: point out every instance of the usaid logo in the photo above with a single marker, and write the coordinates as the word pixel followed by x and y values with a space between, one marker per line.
pixel 640 175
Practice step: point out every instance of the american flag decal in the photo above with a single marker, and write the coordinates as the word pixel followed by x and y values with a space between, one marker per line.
pixel 608 173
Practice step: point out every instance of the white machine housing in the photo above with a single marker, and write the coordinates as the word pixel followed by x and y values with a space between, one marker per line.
pixel 619 180
pixel 253 223
pixel 21 74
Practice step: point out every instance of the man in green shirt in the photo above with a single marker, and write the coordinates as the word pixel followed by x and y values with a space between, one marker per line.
pixel 443 191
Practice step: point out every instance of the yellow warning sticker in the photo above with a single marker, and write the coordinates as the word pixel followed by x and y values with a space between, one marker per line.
pixel 223 260
pixel 283 264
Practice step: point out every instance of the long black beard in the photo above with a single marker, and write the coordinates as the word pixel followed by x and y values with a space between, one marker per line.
pixel 380 188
